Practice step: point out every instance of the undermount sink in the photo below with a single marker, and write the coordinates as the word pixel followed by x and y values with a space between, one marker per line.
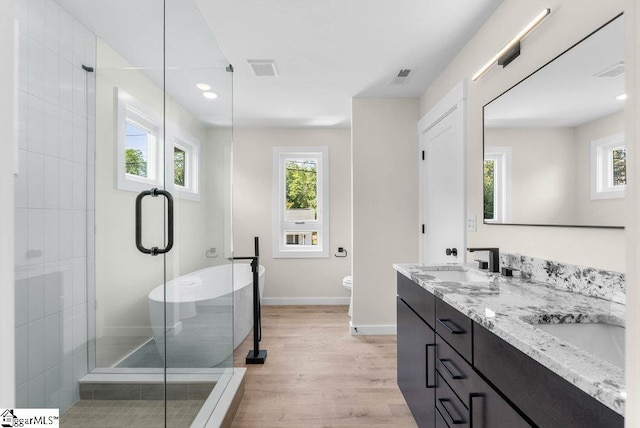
pixel 459 276
pixel 602 340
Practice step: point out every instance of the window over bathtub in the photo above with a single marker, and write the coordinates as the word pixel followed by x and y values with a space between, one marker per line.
pixel 608 167
pixel 145 161
pixel 300 202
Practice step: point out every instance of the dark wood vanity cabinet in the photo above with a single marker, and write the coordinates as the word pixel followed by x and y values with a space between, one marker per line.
pixel 455 373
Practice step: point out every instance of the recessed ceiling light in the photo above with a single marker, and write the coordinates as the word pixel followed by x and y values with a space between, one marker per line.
pixel 203 87
pixel 210 95
pixel 621 97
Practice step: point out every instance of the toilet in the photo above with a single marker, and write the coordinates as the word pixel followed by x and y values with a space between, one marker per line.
pixel 347 282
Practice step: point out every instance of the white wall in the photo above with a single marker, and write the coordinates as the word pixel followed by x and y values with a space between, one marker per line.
pixel 297 280
pixel 385 204
pixel 9 147
pixel 632 132
pixel 543 173
pixel 569 22
pixel 124 276
pixel 598 211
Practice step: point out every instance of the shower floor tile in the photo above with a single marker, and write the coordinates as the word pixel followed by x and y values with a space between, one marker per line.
pixel 138 413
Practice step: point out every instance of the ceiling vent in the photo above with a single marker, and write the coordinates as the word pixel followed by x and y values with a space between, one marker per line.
pixel 615 70
pixel 402 78
pixel 263 67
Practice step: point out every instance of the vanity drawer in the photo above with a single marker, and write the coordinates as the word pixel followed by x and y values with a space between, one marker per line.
pixel 419 299
pixel 455 328
pixel 454 370
pixel 449 405
pixel 440 423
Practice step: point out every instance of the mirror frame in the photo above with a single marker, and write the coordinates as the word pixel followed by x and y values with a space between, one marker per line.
pixel 507 90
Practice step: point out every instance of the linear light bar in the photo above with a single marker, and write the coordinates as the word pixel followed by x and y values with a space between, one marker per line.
pixel 509 46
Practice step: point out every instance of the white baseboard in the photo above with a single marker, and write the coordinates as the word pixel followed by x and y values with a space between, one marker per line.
pixel 285 301
pixel 372 330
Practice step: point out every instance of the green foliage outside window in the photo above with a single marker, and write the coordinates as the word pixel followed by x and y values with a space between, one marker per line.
pixel 301 182
pixel 489 187
pixel 135 163
pixel 178 166
pixel 619 167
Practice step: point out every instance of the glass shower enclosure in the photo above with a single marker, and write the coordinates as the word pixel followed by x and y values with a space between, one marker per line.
pixel 123 212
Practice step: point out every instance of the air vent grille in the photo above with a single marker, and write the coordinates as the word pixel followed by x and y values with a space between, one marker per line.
pixel 263 67
pixel 615 70
pixel 402 78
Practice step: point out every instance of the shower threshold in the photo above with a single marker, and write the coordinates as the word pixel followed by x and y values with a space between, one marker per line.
pixel 221 389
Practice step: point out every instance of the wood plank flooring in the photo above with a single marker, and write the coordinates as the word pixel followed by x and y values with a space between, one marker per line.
pixel 318 375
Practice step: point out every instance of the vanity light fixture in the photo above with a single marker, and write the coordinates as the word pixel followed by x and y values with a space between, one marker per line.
pixel 210 95
pixel 511 49
pixel 203 87
pixel 621 97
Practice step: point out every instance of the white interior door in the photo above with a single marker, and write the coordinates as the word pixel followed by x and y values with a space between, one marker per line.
pixel 442 187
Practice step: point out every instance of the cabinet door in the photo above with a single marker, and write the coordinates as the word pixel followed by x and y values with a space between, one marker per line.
pixel 416 369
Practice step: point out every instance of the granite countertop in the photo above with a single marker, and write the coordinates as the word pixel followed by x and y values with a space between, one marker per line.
pixel 507 306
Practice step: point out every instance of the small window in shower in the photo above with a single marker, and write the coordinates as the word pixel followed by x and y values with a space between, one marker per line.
pixel 301 202
pixel 608 167
pixel 179 165
pixel 185 165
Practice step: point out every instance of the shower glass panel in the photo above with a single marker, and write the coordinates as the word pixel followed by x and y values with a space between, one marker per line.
pixel 109 108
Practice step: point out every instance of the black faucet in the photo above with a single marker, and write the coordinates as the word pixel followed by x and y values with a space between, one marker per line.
pixel 494 257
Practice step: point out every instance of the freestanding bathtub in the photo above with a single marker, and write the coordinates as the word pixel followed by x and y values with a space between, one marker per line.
pixel 199 309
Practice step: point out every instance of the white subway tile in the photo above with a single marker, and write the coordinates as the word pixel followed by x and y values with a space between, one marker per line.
pixel 91 227
pixel 35 182
pixel 89 48
pixel 51 235
pixel 36 68
pixel 36 348
pixel 79 282
pixel 66 184
pixel 23 16
pixel 20 186
pixel 66 334
pixel 66 234
pixel 66 135
pixel 80 329
pixel 52 284
pixel 79 139
pixel 23 61
pixel 52 78
pixel 23 120
pixel 66 284
pixel 22 293
pixel 51 182
pixel 21 236
pixel 36 20
pixel 35 236
pixel 91 187
pixel 66 85
pixel 52 26
pixel 22 354
pixel 66 385
pixel 79 90
pixel 36 392
pixel 91 142
pixel 22 395
pixel 78 42
pixel 35 298
pixel 66 35
pixel 80 188
pixel 79 366
pixel 52 340
pixel 52 130
pixel 52 387
pixel 35 122
pixel 91 278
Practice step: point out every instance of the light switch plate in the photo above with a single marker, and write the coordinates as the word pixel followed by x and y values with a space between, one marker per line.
pixel 472 221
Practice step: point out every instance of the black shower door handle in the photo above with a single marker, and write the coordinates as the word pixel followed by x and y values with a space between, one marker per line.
pixel 154 251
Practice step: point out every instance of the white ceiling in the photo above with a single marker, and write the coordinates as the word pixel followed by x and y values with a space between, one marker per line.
pixel 566 93
pixel 326 52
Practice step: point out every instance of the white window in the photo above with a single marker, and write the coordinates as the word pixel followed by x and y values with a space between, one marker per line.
pixel 184 162
pixel 300 202
pixel 140 157
pixel 142 153
pixel 608 167
pixel 497 184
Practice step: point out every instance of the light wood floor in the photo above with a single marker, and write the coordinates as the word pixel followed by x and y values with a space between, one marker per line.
pixel 318 375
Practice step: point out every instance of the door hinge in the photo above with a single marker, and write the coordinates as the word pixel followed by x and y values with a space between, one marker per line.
pixel 423 228
pixel 423 155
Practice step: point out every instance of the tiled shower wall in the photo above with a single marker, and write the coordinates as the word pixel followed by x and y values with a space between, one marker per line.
pixel 54 205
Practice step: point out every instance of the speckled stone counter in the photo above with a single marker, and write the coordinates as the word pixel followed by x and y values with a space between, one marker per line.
pixel 508 306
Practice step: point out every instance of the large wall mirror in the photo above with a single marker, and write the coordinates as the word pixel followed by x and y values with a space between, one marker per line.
pixel 554 148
